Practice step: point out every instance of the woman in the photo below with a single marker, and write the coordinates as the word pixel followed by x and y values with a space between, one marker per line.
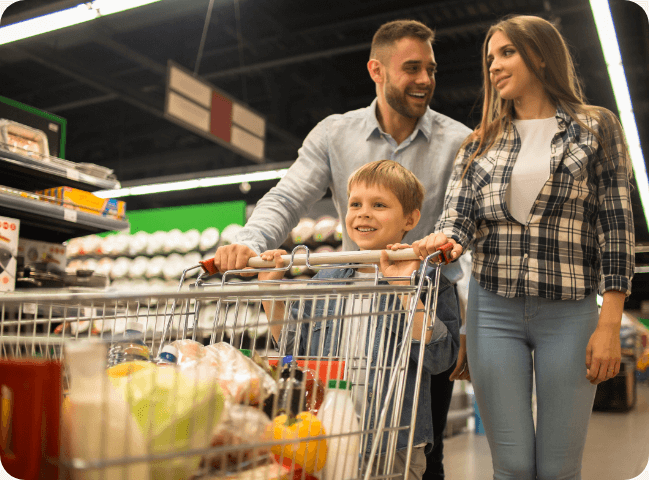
pixel 541 191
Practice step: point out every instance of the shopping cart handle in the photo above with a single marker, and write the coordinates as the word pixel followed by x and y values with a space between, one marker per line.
pixel 445 251
pixel 208 266
pixel 326 258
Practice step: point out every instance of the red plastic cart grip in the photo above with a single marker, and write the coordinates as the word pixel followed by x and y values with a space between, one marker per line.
pixel 31 417
pixel 445 250
pixel 208 266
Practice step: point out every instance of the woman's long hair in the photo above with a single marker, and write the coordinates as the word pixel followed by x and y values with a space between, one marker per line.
pixel 534 36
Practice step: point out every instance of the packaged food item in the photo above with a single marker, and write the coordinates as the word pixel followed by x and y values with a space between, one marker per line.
pixel 173 241
pixel 120 268
pixel 240 378
pixel 154 268
pixel 303 231
pixel 190 240
pixel 138 243
pixel 173 267
pixel 338 417
pixel 156 242
pixel 9 229
pixel 229 233
pixel 138 267
pixel 188 350
pixel 240 426
pixel 324 228
pixel 86 201
pixel 23 140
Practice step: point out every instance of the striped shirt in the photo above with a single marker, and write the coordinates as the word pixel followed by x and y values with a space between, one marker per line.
pixel 579 235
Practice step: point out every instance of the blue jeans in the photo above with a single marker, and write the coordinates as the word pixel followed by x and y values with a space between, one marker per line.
pixel 502 334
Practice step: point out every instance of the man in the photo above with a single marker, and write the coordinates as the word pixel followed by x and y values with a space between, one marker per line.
pixel 399 126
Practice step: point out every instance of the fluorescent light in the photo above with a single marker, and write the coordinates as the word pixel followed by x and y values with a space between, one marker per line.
pixel 613 59
pixel 66 18
pixel 194 183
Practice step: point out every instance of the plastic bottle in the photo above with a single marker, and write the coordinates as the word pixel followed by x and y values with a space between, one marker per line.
pixel 168 356
pixel 338 416
pixel 130 346
pixel 97 422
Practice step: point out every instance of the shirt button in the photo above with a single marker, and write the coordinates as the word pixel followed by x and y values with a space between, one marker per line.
pixel 525 256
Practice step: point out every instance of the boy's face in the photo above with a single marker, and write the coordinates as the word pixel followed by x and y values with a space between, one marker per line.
pixel 375 217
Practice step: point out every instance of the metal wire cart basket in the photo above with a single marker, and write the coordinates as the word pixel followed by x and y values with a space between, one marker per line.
pixel 226 407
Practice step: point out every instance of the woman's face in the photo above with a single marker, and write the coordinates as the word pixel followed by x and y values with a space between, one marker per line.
pixel 508 72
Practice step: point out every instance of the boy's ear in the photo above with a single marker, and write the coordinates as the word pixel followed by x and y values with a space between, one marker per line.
pixel 412 220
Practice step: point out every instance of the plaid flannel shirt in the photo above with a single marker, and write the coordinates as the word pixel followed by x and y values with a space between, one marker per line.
pixel 579 235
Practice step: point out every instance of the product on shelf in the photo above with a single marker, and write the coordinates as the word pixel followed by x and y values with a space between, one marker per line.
pixel 325 228
pixel 173 267
pixel 120 267
pixel 74 265
pixel 154 267
pixel 173 241
pixel 116 244
pixel 104 266
pixel 138 267
pixel 73 247
pixel 190 241
pixel 45 255
pixel 86 202
pixel 229 233
pixel 156 242
pixel 191 259
pixel 338 234
pixel 23 140
pixel 91 245
pixel 9 229
pixel 90 264
pixel 209 239
pixel 138 243
pixel 303 231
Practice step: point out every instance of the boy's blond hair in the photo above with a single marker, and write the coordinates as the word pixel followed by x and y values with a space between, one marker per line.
pixel 393 176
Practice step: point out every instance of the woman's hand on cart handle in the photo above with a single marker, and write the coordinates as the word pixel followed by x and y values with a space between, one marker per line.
pixel 435 242
pixel 231 257
pixel 271 255
pixel 461 371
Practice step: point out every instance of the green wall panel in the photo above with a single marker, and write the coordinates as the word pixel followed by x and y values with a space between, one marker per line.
pixel 218 215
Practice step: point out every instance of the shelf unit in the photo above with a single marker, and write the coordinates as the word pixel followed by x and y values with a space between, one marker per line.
pixel 47 221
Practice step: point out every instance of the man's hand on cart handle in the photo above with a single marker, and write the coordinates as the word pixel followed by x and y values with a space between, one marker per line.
pixel 435 242
pixel 229 257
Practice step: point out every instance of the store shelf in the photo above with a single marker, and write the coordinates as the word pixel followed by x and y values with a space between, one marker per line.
pixel 31 174
pixel 54 223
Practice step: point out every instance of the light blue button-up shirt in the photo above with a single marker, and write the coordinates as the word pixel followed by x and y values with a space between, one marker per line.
pixel 334 149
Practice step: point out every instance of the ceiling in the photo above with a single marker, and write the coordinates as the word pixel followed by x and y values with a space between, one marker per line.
pixel 293 61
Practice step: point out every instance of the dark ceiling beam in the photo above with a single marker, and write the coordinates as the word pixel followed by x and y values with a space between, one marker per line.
pixel 130 54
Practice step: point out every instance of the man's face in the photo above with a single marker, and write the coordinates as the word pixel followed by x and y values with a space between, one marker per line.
pixel 409 80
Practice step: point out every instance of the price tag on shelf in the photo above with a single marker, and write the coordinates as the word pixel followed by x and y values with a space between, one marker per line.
pixel 72 174
pixel 70 215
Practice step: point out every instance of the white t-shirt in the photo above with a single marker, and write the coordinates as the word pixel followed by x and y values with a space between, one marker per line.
pixel 532 167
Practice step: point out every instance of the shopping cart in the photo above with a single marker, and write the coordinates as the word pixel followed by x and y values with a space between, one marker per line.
pixel 37 431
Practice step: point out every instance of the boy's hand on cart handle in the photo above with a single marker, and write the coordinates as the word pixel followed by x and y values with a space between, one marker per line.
pixel 397 268
pixel 233 257
pixel 271 255
pixel 434 242
pixel 461 371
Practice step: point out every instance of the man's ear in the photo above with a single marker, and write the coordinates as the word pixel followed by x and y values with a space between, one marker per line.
pixel 376 70
pixel 412 220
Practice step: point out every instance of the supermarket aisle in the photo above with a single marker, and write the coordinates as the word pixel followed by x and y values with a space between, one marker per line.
pixel 617 447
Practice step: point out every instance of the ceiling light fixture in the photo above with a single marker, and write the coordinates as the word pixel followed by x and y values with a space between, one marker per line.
pixel 194 183
pixel 613 59
pixel 83 12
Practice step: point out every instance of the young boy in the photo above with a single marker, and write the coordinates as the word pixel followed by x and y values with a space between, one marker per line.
pixel 384 202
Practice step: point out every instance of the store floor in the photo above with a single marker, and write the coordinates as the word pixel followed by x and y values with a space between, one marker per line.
pixel 617 447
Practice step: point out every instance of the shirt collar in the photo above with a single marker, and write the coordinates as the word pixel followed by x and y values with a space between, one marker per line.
pixel 563 119
pixel 424 124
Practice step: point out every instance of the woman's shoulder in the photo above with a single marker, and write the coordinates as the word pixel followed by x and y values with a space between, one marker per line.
pixel 598 118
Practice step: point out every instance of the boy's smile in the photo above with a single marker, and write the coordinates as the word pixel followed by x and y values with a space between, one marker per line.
pixel 375 217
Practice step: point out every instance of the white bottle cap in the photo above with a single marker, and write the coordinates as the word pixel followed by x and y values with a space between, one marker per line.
pixel 170 349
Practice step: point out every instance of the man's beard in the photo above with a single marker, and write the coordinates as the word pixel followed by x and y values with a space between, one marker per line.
pixel 398 101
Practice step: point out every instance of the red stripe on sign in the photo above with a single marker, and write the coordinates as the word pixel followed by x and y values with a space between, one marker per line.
pixel 221 122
